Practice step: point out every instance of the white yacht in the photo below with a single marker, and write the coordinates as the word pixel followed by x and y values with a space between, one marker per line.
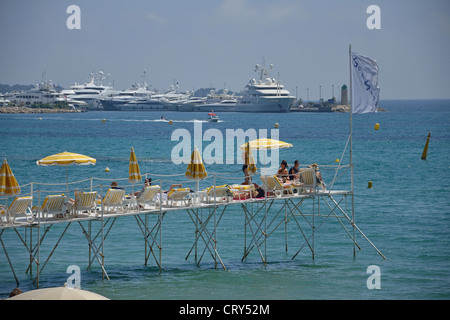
pixel 91 92
pixel 264 95
pixel 174 99
pixel 218 101
pixel 191 104
pixel 44 93
pixel 227 105
pixel 137 98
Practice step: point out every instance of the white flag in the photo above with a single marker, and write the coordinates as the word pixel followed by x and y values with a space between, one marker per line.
pixel 365 90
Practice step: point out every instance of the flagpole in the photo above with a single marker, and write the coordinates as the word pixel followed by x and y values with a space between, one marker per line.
pixel 351 147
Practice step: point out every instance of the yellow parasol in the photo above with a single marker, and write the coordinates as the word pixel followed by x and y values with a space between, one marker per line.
pixel 66 159
pixel 267 144
pixel 249 160
pixel 196 169
pixel 8 183
pixel 134 174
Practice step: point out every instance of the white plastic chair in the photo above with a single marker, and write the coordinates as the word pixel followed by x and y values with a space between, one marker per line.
pixel 53 204
pixel 179 195
pixel 148 195
pixel 21 206
pixel 113 200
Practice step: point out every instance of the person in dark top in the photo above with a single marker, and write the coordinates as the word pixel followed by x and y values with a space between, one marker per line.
pixel 294 171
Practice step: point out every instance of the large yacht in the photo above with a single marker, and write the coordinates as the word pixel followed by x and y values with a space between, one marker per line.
pixel 264 95
pixel 227 105
pixel 42 93
pixel 191 104
pixel 174 98
pixel 138 97
pixel 221 102
pixel 91 92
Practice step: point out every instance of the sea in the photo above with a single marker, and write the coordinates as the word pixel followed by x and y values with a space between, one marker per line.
pixel 405 214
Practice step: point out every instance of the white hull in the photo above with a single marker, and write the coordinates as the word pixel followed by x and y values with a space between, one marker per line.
pixel 217 108
pixel 155 106
pixel 266 105
pixel 270 105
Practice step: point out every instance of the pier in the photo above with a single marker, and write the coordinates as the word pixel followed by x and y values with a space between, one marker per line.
pixel 304 210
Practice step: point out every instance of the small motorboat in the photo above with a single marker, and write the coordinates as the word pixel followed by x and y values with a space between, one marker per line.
pixel 213 117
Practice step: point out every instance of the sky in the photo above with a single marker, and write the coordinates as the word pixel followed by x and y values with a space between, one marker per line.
pixel 204 43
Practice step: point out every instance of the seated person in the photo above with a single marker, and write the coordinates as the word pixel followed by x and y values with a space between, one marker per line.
pixel 283 173
pixel 114 185
pixel 318 175
pixel 147 182
pixel 294 173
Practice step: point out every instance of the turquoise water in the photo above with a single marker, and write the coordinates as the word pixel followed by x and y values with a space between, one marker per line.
pixel 406 214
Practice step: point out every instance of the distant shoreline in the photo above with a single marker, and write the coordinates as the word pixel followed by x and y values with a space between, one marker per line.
pixel 17 110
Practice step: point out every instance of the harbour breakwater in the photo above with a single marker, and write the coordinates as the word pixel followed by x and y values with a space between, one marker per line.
pixel 36 110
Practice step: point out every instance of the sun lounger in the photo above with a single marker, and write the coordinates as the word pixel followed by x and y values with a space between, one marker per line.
pixel 179 195
pixel 148 196
pixel 309 179
pixel 242 191
pixel 52 204
pixel 113 200
pixel 19 207
pixel 220 193
pixel 272 184
pixel 84 202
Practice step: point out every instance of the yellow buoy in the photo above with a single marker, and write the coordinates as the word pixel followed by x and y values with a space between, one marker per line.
pixel 337 160
pixel 276 125
pixel 425 150
pixel 369 185
pixel 377 126
pixel 170 121
pixel 104 120
pixel 106 169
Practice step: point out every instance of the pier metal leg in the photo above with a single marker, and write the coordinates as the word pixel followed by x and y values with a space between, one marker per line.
pixel 356 227
pixel 261 230
pixel 154 234
pixel 251 223
pixel 98 249
pixel 51 253
pixel 339 218
pixel 7 258
pixel 208 236
pixel 294 212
